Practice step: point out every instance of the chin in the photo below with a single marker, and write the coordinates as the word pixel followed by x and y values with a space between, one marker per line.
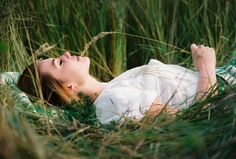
pixel 87 60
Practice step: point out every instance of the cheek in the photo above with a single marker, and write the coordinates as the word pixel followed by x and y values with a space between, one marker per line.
pixel 75 72
pixel 81 68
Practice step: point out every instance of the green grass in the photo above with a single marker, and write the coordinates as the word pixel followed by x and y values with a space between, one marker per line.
pixel 162 29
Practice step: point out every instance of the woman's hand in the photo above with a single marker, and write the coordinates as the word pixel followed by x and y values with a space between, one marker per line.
pixel 157 108
pixel 204 59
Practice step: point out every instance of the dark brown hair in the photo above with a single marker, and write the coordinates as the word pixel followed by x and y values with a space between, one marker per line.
pixel 43 86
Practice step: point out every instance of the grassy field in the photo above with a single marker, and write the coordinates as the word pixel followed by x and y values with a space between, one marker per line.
pixel 129 32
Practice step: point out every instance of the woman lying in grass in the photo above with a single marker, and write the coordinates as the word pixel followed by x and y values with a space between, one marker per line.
pixel 144 90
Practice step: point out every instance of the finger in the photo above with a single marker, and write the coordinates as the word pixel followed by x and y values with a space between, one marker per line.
pixel 193 47
pixel 212 49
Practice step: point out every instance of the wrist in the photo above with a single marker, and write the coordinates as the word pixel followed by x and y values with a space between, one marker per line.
pixel 207 71
pixel 205 66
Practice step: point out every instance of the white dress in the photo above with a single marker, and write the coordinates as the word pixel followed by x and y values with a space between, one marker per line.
pixel 131 94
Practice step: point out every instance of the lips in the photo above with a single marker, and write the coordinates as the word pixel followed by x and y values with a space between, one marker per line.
pixel 78 58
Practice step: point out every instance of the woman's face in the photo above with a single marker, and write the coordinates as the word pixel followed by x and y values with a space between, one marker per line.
pixel 66 68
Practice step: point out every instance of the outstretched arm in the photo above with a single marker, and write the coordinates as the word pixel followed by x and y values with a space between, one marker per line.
pixel 204 59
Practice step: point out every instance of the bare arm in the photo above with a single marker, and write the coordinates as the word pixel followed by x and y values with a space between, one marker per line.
pixel 204 60
pixel 157 107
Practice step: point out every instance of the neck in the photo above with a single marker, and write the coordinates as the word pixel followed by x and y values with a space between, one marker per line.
pixel 92 88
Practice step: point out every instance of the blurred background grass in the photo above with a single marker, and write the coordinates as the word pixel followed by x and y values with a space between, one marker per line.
pixel 144 29
pixel 27 25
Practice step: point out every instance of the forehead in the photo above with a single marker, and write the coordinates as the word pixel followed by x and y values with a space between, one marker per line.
pixel 45 66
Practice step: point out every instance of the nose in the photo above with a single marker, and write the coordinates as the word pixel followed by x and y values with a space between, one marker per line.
pixel 67 54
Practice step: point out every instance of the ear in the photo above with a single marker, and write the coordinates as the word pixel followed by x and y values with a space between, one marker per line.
pixel 72 87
